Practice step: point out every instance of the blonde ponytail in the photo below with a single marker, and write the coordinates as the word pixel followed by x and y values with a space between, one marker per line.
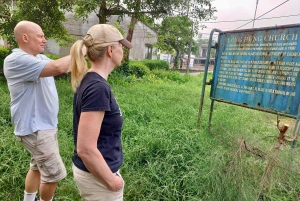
pixel 78 64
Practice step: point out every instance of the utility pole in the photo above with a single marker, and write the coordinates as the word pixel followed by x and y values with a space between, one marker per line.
pixel 255 14
pixel 190 43
pixel 190 49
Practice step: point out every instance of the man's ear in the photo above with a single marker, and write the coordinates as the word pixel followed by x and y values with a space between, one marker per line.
pixel 24 37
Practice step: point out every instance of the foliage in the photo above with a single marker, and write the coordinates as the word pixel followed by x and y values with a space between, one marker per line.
pixel 123 69
pixel 145 71
pixel 165 156
pixel 172 34
pixel 173 76
pixel 106 8
pixel 132 68
pixel 177 30
pixel 195 10
pixel 119 27
pixel 7 22
pixel 156 64
pixel 49 14
pixel 138 69
pixel 175 34
pixel 3 53
pixel 145 11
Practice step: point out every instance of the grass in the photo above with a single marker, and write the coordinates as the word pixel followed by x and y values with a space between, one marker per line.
pixel 165 156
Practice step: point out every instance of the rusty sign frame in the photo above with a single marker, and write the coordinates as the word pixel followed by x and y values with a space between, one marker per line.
pixel 257 69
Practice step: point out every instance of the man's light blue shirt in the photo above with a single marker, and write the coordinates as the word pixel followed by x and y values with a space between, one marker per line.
pixel 34 99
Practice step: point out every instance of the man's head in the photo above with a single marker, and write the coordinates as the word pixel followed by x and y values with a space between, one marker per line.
pixel 30 37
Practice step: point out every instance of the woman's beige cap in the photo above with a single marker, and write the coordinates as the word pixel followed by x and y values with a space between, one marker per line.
pixel 106 34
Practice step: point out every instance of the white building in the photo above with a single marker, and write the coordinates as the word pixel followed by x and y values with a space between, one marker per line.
pixel 201 58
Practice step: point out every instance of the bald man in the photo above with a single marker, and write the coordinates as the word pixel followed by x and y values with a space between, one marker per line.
pixel 34 108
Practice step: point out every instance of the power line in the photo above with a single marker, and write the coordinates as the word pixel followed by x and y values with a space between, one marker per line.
pixel 255 19
pixel 249 20
pixel 264 13
pixel 223 28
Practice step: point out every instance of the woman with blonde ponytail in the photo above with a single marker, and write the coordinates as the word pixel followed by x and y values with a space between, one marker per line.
pixel 97 118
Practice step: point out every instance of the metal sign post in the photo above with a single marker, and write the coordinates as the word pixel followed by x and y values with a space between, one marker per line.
pixel 207 62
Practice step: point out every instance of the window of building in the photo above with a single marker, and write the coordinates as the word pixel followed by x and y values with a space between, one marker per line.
pixel 148 49
pixel 204 51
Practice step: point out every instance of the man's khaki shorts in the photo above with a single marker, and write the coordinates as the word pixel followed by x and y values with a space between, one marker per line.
pixel 44 150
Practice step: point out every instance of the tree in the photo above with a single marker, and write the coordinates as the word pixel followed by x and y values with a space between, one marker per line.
pixel 173 34
pixel 137 10
pixel 195 10
pixel 106 8
pixel 50 13
pixel 47 13
pixel 6 21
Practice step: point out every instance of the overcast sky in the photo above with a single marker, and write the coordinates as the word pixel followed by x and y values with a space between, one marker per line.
pixel 234 10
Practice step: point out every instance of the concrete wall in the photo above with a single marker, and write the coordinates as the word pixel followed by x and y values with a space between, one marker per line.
pixel 142 35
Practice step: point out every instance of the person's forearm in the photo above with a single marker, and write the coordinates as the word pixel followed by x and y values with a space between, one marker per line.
pixel 95 163
pixel 64 63
pixel 56 67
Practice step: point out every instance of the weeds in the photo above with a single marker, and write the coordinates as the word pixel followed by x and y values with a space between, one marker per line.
pixel 165 156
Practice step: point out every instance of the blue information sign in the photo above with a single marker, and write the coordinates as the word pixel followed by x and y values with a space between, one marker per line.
pixel 260 69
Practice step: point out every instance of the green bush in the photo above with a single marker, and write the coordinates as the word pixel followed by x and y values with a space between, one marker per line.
pixel 138 69
pixel 156 64
pixel 123 69
pixel 3 53
pixel 129 68
pixel 128 72
pixel 119 74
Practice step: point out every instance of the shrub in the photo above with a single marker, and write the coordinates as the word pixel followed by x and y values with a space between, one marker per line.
pixel 123 69
pixel 129 71
pixel 3 53
pixel 138 69
pixel 156 64
pixel 119 74
pixel 129 68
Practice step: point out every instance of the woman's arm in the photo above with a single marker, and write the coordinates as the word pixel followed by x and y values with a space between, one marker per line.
pixel 88 133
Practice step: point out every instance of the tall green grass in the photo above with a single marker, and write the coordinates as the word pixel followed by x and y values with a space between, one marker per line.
pixel 165 156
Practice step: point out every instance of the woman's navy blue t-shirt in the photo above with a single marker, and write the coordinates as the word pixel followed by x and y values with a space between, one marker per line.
pixel 94 94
